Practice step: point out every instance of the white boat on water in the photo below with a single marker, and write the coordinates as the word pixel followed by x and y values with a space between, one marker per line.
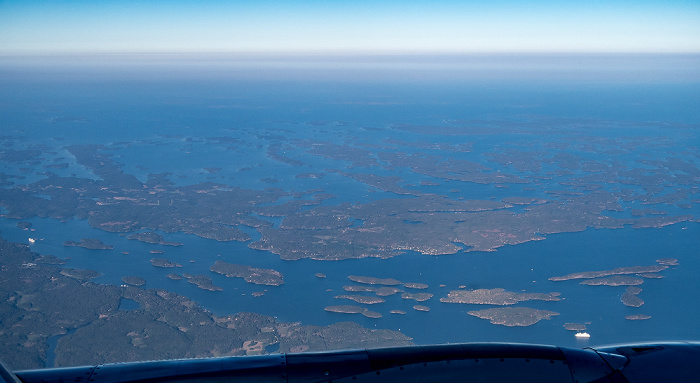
pixel 583 335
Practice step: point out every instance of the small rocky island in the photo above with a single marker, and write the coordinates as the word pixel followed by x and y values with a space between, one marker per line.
pixel 615 280
pixel 250 274
pixel 575 326
pixel 345 309
pixel 371 314
pixel 617 271
pixel 630 298
pixel 160 262
pixel 350 309
pixel 89 243
pixel 420 297
pixel 374 281
pixel 513 316
pixel 202 281
pixel 667 261
pixel 362 299
pixel 499 297
pixel 383 291
pixel 414 285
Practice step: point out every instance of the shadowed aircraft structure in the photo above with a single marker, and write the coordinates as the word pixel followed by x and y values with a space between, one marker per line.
pixel 466 362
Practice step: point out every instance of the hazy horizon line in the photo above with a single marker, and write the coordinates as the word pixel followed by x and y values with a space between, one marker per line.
pixel 386 66
pixel 339 53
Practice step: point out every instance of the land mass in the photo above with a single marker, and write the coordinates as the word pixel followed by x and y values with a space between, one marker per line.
pixel 89 243
pixel 36 305
pixel 160 262
pixel 495 297
pixel 345 309
pixel 134 281
pixel 374 281
pixel 429 224
pixel 250 274
pixel 202 281
pixel 152 237
pixel 513 316
pixel 617 271
pixel 615 280
pixel 413 285
pixel 420 297
pixel 362 299
pixel 630 298
pixel 382 291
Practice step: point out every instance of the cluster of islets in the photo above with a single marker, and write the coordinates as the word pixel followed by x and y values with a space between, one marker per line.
pixel 631 277
pixel 258 276
pixel 382 288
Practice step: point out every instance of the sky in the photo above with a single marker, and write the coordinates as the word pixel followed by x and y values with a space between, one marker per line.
pixel 357 26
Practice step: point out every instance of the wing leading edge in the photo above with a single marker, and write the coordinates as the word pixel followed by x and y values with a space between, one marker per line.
pixel 468 362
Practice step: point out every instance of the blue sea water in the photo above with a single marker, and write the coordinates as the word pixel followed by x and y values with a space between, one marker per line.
pixel 525 267
pixel 170 121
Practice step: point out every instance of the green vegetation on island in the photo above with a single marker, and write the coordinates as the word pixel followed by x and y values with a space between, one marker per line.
pixel 430 224
pixel 152 237
pixel 80 274
pixel 89 243
pixel 134 281
pixel 39 303
pixel 161 262
pixel 250 274
pixel 49 260
pixel 202 281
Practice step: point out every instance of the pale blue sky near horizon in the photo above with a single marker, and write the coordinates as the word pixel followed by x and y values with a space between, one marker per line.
pixel 332 26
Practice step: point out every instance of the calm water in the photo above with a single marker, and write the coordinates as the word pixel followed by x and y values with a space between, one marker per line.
pixel 523 267
pixel 168 122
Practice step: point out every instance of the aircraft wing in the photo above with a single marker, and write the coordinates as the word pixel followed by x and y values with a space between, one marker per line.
pixel 466 362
